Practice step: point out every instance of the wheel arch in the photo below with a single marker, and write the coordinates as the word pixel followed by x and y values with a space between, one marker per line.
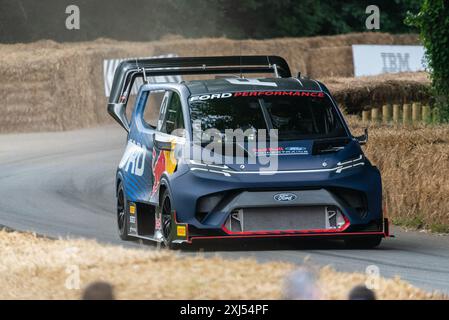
pixel 164 185
pixel 118 178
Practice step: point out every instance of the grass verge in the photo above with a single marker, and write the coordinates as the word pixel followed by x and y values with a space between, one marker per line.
pixel 33 267
pixel 414 163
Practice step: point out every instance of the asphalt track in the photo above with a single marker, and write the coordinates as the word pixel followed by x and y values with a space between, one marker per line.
pixel 61 184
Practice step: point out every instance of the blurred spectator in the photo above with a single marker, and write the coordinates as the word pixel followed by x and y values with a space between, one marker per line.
pixel 361 292
pixel 301 285
pixel 98 291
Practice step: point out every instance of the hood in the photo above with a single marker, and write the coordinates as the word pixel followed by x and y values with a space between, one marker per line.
pixel 298 155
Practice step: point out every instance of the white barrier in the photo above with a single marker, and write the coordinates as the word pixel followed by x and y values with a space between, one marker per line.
pixel 370 60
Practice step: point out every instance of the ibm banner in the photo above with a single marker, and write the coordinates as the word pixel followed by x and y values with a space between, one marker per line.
pixel 372 60
pixel 110 65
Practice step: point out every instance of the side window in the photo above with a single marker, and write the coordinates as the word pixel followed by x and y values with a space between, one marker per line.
pixel 163 109
pixel 174 118
pixel 152 108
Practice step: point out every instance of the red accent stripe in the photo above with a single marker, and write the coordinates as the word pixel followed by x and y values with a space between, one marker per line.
pixel 299 235
pixel 387 226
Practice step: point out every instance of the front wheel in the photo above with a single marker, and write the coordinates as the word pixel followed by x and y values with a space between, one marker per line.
pixel 122 213
pixel 363 243
pixel 167 221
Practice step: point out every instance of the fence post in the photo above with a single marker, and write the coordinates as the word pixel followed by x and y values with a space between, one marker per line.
pixel 396 113
pixel 375 114
pixel 386 113
pixel 365 115
pixel 416 112
pixel 436 115
pixel 406 113
pixel 426 114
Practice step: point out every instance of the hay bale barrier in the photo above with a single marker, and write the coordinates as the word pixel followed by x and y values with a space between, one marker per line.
pixel 33 267
pixel 357 94
pixel 49 86
pixel 414 163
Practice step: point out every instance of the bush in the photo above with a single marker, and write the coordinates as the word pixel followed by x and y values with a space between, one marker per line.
pixel 433 23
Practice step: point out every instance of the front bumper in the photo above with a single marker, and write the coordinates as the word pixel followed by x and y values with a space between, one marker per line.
pixel 313 190
pixel 188 237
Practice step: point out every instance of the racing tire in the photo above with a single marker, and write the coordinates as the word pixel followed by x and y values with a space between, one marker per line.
pixel 363 243
pixel 122 213
pixel 167 221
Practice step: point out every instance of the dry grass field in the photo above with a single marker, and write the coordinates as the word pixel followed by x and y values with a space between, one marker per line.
pixel 33 267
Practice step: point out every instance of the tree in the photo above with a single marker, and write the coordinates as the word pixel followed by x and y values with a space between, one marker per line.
pixel 262 19
pixel 433 23
pixel 143 20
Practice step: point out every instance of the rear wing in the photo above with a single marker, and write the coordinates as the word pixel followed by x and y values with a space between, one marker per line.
pixel 128 70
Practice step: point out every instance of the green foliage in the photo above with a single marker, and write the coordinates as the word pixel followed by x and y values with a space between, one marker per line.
pixel 439 228
pixel 433 23
pixel 140 20
pixel 291 18
pixel 415 222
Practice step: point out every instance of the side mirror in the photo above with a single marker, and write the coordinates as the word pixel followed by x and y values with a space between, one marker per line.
pixel 162 145
pixel 363 139
pixel 179 133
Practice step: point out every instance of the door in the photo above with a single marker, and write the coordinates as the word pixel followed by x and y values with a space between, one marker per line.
pixel 169 135
pixel 136 164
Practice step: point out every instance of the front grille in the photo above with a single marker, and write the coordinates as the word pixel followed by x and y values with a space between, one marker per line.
pixel 298 218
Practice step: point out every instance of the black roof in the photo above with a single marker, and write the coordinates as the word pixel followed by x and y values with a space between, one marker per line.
pixel 242 84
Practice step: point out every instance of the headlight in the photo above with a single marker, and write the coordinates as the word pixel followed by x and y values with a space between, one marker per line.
pixel 359 161
pixel 205 167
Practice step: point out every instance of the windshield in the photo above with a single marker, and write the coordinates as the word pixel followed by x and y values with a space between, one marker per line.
pixel 295 116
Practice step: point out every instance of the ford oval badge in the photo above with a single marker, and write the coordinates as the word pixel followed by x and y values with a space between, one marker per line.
pixel 285 197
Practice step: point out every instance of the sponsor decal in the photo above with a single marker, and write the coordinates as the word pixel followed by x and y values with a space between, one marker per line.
pixel 281 151
pixel 164 162
pixel 370 60
pixel 284 197
pixel 260 151
pixel 133 160
pixel 296 150
pixel 279 93
pixel 206 97
pixel 132 209
pixel 211 96
pixel 158 168
pixel 181 231
pixel 158 222
pixel 252 82
pixel 132 214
